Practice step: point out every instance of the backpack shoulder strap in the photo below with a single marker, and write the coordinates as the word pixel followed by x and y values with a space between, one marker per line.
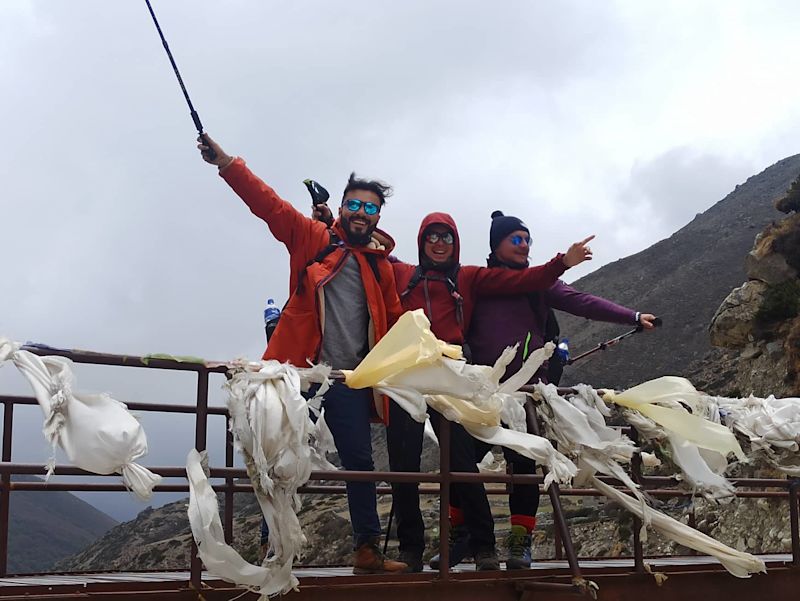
pixel 551 327
pixel 334 242
pixel 416 277
pixel 451 279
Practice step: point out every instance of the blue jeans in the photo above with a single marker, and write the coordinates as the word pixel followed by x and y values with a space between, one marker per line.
pixel 347 413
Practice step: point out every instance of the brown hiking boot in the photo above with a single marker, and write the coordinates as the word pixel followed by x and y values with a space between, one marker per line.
pixel 368 559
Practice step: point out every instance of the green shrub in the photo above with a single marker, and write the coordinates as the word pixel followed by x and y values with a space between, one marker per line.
pixel 781 301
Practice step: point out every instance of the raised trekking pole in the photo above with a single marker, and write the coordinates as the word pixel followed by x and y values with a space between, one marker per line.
pixel 604 345
pixel 195 117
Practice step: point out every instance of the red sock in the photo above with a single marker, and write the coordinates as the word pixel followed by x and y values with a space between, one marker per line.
pixel 456 516
pixel 529 521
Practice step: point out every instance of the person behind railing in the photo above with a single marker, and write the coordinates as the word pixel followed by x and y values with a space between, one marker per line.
pixel 343 300
pixel 502 321
pixel 447 292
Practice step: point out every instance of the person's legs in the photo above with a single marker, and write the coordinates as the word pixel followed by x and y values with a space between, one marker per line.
pixel 523 503
pixel 471 495
pixel 347 413
pixel 404 443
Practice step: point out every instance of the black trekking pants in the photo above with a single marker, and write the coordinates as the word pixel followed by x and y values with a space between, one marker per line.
pixel 404 441
pixel 524 498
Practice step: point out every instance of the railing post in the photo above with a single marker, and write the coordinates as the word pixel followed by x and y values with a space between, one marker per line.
pixel 444 499
pixel 636 475
pixel 559 521
pixel 228 521
pixel 200 432
pixel 638 549
pixel 794 519
pixel 5 486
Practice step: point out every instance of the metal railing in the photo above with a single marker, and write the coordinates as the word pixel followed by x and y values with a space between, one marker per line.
pixel 653 485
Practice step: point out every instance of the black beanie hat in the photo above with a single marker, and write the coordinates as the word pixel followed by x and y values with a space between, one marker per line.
pixel 502 226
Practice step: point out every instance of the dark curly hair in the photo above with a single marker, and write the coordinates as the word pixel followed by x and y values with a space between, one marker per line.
pixel 380 189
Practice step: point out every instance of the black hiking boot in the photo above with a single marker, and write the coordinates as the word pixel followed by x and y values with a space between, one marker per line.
pixel 459 547
pixel 486 560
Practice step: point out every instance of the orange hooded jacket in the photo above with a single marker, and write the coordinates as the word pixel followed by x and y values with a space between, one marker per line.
pixel 298 337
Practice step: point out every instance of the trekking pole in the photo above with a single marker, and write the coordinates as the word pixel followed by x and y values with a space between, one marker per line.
pixel 604 345
pixel 195 117
pixel 388 529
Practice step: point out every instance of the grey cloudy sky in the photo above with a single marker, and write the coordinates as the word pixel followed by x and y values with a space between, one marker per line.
pixel 622 119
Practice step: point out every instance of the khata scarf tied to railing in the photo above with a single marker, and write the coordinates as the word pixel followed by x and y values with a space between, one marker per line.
pixel 272 430
pixel 416 370
pixel 97 433
pixel 578 425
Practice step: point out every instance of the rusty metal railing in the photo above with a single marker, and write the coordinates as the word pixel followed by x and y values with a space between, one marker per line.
pixel 432 483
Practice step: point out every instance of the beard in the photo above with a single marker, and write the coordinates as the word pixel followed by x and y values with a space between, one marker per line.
pixel 357 238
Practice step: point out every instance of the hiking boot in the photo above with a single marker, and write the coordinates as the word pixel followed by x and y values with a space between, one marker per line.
pixel 458 542
pixel 368 559
pixel 518 544
pixel 412 559
pixel 486 559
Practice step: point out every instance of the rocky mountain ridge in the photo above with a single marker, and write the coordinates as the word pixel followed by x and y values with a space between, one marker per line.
pixel 45 527
pixel 683 279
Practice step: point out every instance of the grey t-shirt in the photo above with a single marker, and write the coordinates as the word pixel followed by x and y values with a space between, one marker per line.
pixel 345 339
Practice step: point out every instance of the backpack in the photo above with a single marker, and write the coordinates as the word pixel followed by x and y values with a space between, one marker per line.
pixel 334 242
pixel 552 333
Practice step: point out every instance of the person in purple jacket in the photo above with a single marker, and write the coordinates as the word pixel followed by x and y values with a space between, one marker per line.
pixel 502 321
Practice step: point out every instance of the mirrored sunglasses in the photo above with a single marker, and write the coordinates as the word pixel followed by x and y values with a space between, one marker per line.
pixel 354 204
pixel 517 240
pixel 434 237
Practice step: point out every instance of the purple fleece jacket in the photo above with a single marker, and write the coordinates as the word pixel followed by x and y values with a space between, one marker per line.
pixel 501 321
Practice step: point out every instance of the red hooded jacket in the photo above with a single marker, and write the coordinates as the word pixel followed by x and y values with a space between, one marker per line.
pixel 433 295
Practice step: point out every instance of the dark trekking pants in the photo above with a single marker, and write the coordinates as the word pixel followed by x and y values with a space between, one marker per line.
pixel 404 440
pixel 524 498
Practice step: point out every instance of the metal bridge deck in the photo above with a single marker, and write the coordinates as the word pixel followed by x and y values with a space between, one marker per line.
pixel 695 576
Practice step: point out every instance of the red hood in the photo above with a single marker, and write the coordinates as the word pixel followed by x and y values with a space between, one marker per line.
pixel 439 219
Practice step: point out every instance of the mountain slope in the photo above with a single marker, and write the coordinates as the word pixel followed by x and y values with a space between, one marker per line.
pixel 683 278
pixel 45 527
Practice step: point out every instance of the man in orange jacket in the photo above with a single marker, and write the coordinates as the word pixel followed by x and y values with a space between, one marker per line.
pixel 343 300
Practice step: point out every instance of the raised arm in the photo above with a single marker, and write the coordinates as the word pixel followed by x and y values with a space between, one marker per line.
pixel 494 281
pixel 285 222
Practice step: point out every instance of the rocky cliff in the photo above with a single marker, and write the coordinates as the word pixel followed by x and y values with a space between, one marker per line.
pixel 757 323
pixel 683 278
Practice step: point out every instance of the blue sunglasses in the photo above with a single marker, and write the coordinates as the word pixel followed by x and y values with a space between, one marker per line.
pixel 354 204
pixel 517 240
